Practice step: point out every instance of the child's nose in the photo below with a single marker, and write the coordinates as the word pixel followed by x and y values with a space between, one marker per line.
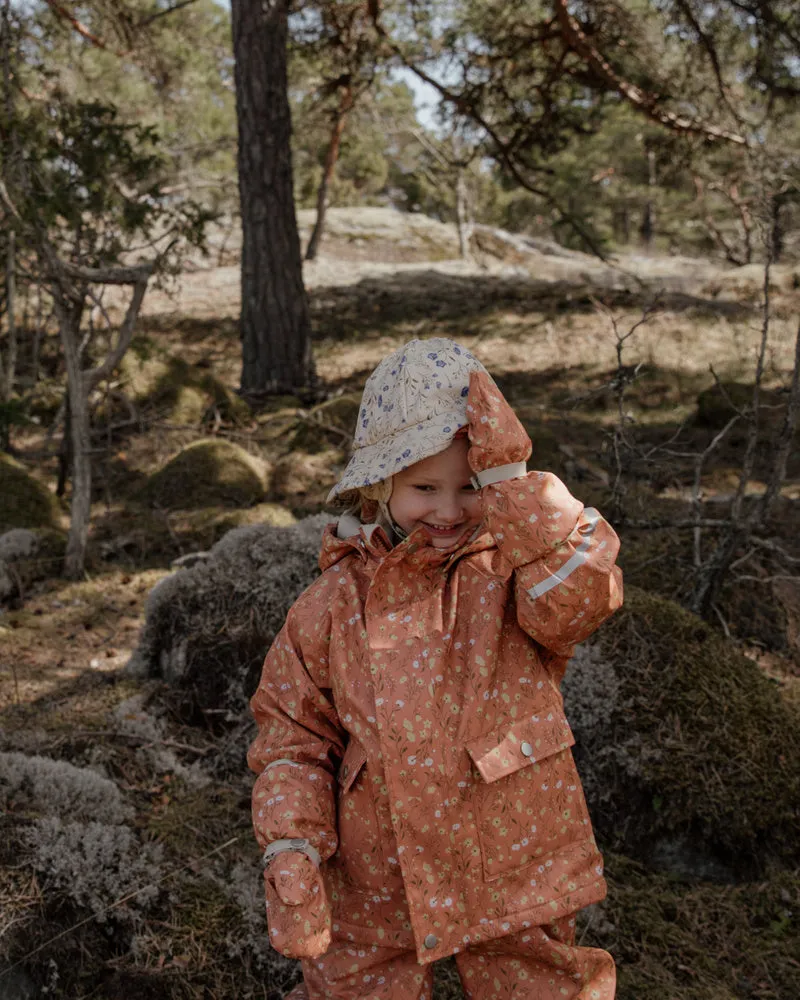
pixel 451 507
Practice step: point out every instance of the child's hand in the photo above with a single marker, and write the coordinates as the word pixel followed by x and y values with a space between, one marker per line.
pixel 298 912
pixel 496 436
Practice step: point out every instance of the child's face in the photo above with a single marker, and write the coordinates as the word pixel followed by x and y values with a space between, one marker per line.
pixel 436 494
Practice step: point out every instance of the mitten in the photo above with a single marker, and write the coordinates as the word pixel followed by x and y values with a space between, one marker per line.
pixel 498 441
pixel 298 912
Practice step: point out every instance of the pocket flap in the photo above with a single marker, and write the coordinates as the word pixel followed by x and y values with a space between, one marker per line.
pixel 518 744
pixel 354 759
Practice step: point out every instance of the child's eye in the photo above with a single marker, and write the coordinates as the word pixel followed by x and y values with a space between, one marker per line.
pixel 423 487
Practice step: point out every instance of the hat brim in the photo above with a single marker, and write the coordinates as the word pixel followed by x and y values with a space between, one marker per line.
pixel 377 462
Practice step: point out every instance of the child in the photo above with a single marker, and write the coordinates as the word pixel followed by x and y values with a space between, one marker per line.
pixel 416 794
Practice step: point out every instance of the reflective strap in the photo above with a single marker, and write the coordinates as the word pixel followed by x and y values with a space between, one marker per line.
pixel 576 559
pixel 283 760
pixel 295 844
pixel 515 470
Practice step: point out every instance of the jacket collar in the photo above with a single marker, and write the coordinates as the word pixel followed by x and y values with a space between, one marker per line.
pixel 370 541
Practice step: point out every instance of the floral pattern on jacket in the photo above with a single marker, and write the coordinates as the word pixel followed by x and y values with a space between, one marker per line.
pixel 411 725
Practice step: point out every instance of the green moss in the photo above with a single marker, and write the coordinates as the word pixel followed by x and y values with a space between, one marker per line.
pixel 189 406
pixel 230 405
pixel 330 423
pixel 182 392
pixel 24 501
pixel 207 473
pixel 699 942
pixel 273 514
pixel 701 744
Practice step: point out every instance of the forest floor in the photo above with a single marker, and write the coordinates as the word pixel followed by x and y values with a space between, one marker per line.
pixel 544 325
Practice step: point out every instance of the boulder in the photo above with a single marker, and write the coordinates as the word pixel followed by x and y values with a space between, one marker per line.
pixel 24 501
pixel 690 758
pixel 207 473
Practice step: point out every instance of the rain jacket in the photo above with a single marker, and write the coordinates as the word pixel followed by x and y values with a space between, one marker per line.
pixel 411 726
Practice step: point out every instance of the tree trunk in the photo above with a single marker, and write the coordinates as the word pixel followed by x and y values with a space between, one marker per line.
pixel 647 228
pixel 331 157
pixel 11 323
pixel 69 320
pixel 463 220
pixel 778 230
pixel 275 321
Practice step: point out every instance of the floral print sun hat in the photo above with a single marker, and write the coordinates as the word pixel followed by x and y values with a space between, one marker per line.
pixel 413 405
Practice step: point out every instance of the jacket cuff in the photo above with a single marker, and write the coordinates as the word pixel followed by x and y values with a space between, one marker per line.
pixel 514 470
pixel 293 844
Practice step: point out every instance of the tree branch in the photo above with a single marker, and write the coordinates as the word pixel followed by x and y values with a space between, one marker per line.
pixel 108 275
pixel 503 149
pixel 647 103
pixel 61 11
pixel 163 13
pixel 113 358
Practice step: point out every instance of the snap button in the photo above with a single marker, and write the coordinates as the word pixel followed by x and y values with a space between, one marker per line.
pixel 298 842
pixel 431 941
pixel 527 749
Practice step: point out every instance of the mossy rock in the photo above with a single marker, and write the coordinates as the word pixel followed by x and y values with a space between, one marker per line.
pixel 683 743
pixel 189 406
pixel 207 473
pixel 185 393
pixel 273 514
pixel 331 423
pixel 668 936
pixel 304 481
pixel 44 399
pixel 24 501
pixel 230 405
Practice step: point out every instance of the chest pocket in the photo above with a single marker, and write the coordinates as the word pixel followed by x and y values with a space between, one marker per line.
pixel 528 800
pixel 364 822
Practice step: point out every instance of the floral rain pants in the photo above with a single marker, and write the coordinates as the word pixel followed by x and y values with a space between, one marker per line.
pixel 540 963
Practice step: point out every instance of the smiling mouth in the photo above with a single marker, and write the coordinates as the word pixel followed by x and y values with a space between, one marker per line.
pixel 444 529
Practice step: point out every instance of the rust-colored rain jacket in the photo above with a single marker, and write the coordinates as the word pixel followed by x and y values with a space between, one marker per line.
pixel 411 726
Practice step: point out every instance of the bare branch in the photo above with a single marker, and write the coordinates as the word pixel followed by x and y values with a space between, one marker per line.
pixel 91 378
pixel 698 473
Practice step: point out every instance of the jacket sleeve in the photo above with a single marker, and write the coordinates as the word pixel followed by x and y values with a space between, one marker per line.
pixel 299 734
pixel 562 554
